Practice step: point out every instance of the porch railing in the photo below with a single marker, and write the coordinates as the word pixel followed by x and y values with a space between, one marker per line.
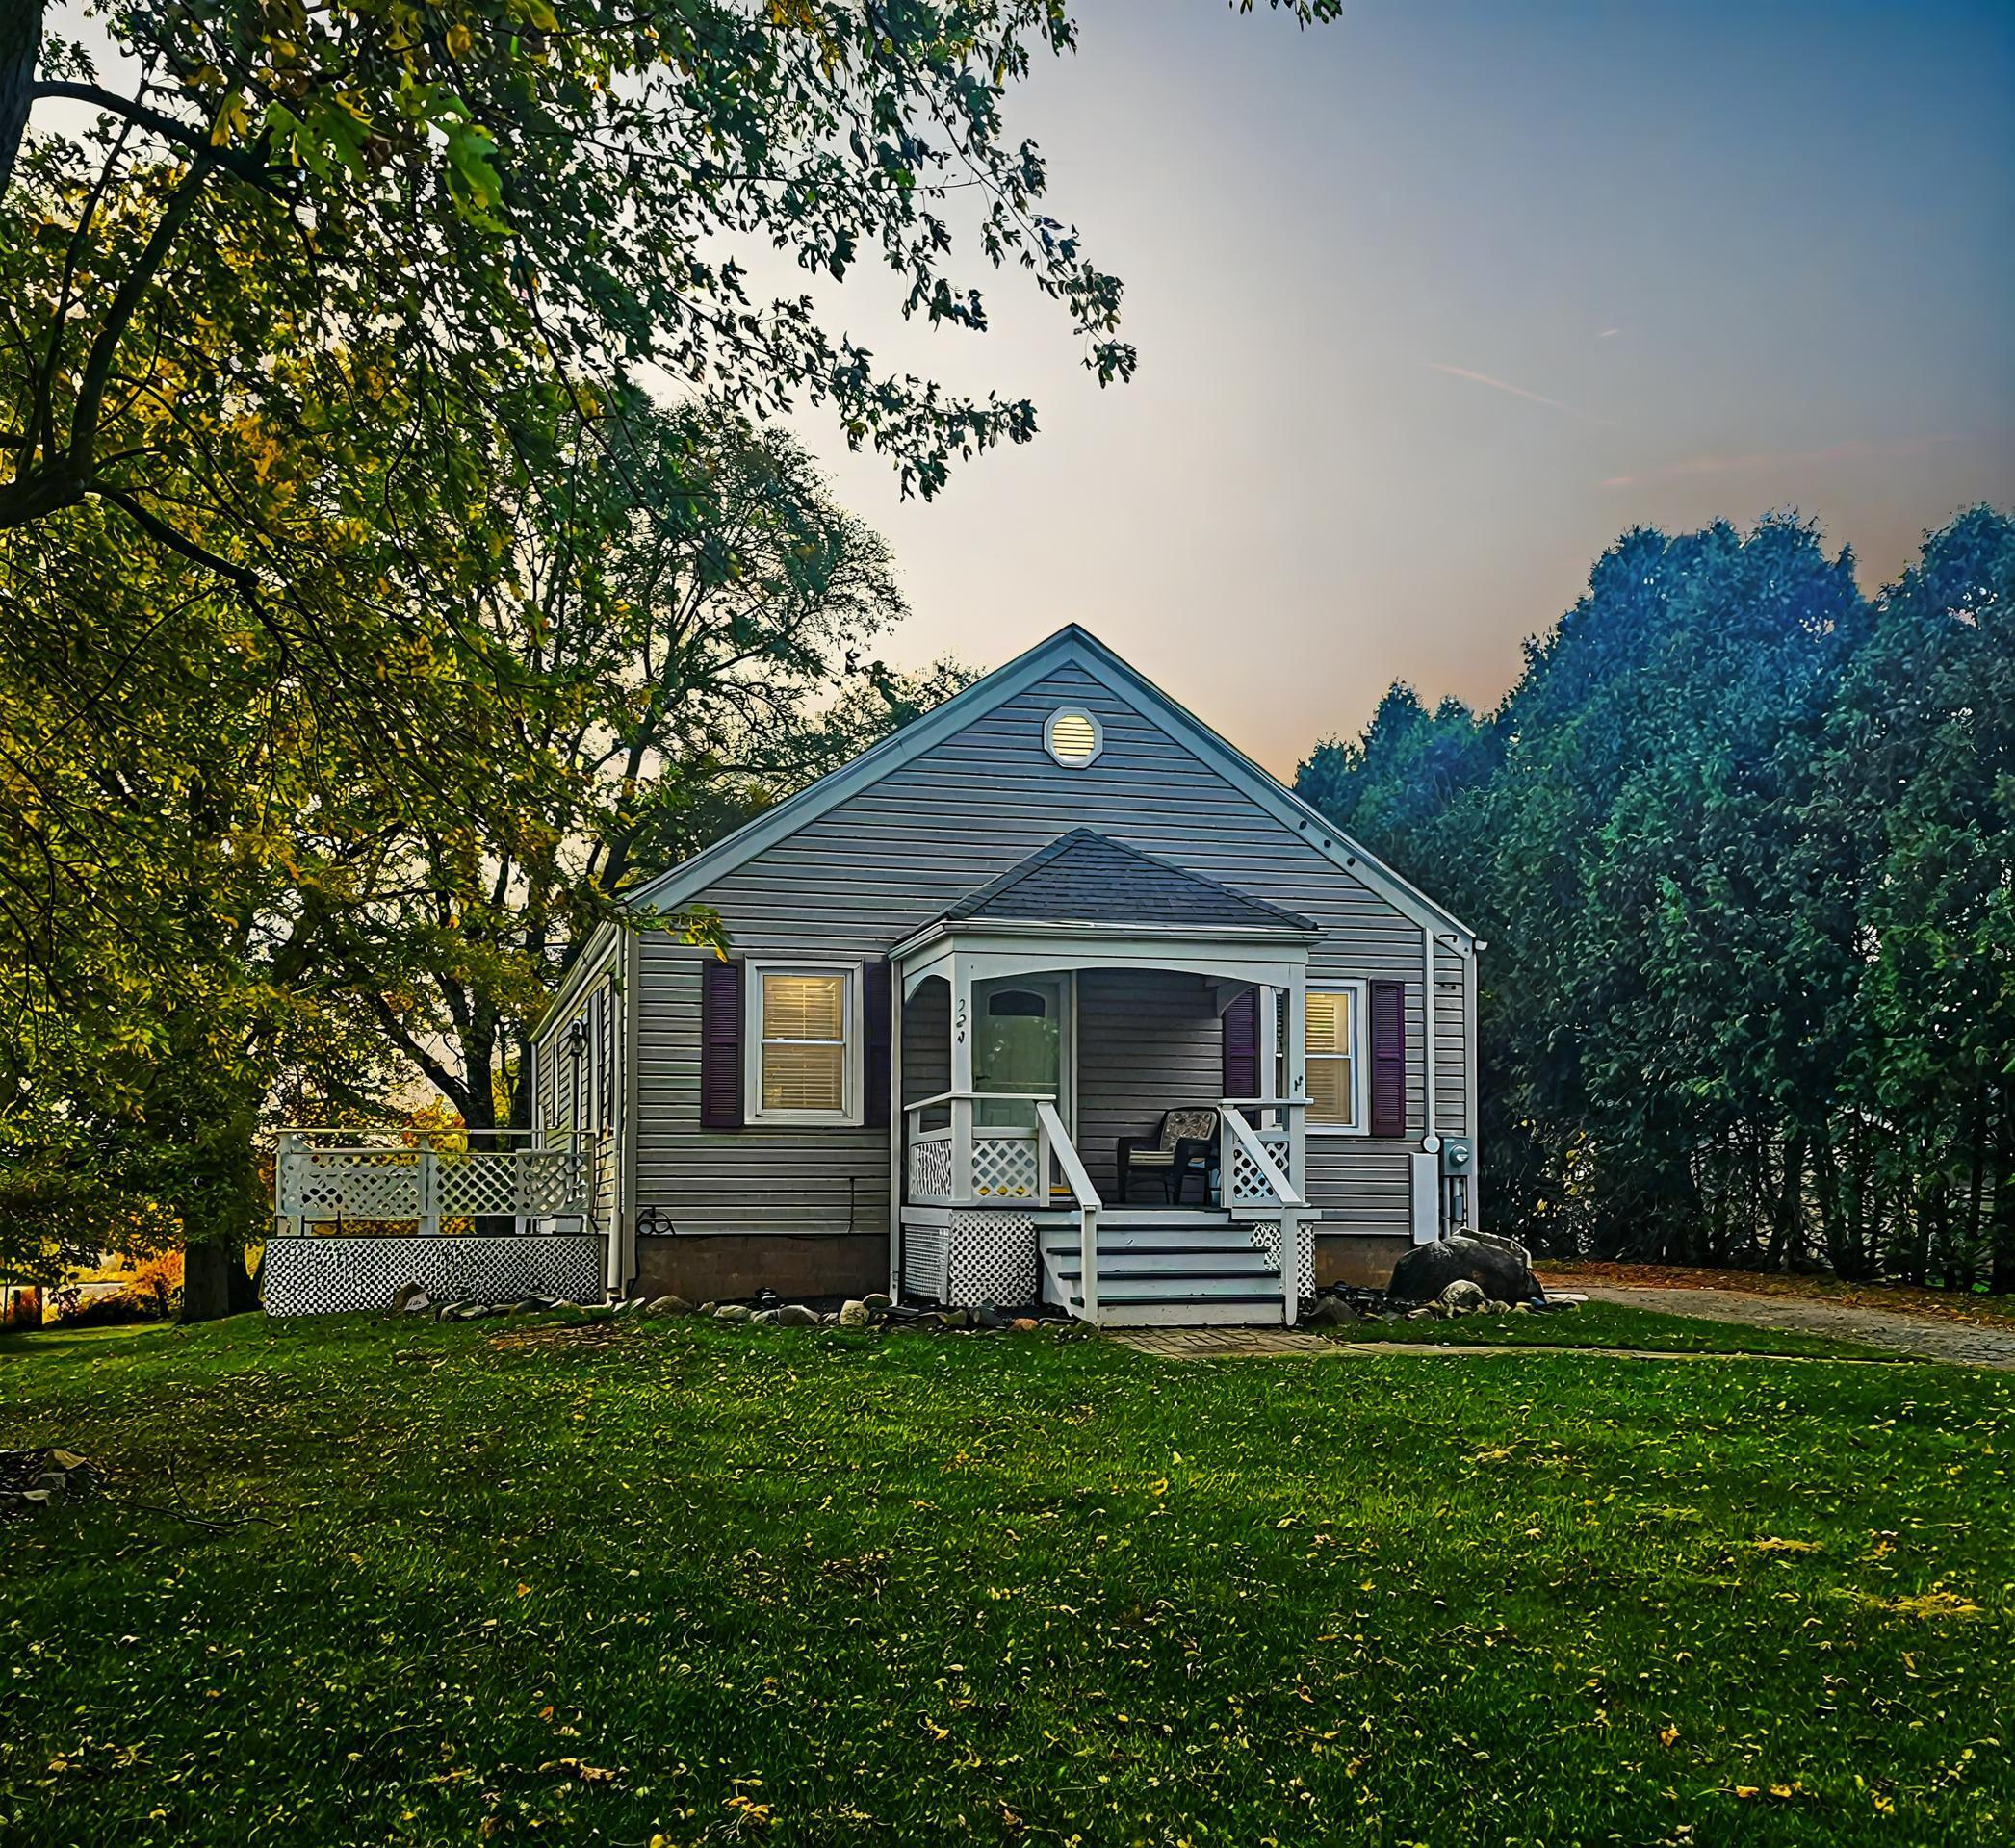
pixel 1253 1180
pixel 994 1164
pixel 317 1179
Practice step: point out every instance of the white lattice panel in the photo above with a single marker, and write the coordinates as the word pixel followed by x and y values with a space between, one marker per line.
pixel 1003 1167
pixel 993 1259
pixel 324 1276
pixel 351 1184
pixel 930 1170
pixel 526 1180
pixel 1266 1238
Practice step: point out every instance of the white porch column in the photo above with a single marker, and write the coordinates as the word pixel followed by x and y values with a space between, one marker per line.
pixel 898 1133
pixel 1297 1067
pixel 961 1077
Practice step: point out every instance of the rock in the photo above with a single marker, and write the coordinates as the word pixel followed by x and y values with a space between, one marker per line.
pixel 668 1306
pixel 1568 1299
pixel 952 1319
pixel 54 1480
pixel 444 1312
pixel 731 1311
pixel 1420 1314
pixel 406 1296
pixel 877 1299
pixel 794 1314
pixel 417 1304
pixel 853 1313
pixel 1462 1294
pixel 708 1308
pixel 986 1316
pixel 763 1318
pixel 1496 1308
pixel 67 1460
pixel 1025 1325
pixel 1331 1312
pixel 1521 1308
pixel 1500 1269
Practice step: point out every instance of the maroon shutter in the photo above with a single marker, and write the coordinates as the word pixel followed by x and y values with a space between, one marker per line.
pixel 1389 1057
pixel 720 1045
pixel 1242 1046
pixel 874 997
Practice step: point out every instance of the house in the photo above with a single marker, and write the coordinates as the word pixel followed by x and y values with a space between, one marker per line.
pixel 1052 994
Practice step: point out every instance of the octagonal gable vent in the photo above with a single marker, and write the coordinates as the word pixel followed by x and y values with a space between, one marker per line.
pixel 1074 736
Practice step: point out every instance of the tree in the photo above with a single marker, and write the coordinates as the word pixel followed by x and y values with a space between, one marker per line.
pixel 496 179
pixel 696 612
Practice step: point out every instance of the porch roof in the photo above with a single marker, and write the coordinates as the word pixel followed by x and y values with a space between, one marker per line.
pixel 1087 878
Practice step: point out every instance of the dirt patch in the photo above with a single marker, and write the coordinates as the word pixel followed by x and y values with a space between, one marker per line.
pixel 1962 1344
pixel 1895 1298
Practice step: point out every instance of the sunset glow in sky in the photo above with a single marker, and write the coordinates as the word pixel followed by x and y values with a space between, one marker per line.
pixel 1435 302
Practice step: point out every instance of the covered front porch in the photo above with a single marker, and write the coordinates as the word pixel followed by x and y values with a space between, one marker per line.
pixel 1105 1113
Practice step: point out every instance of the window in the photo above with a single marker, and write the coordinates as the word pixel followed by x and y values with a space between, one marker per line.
pixel 805 1066
pixel 1334 1045
pixel 1073 737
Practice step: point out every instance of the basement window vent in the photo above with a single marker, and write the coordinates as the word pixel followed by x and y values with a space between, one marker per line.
pixel 1074 736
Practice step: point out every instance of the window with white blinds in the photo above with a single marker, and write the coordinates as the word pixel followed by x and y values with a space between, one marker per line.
pixel 1333 1048
pixel 802 1036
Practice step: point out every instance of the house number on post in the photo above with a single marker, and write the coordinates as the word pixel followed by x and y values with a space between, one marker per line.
pixel 958 1029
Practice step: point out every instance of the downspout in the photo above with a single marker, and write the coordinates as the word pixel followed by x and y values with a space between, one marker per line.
pixel 1430 1143
pixel 898 1130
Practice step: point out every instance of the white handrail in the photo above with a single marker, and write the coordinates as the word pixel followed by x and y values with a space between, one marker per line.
pixel 979 1096
pixel 1058 1140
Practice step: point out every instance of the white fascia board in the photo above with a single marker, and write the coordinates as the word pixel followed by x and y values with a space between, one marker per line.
pixel 578 978
pixel 1020 929
pixel 1069 646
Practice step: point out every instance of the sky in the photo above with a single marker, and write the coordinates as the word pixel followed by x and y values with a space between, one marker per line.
pixel 1435 302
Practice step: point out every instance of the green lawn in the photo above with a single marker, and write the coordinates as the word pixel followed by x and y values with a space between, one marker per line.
pixel 616 1582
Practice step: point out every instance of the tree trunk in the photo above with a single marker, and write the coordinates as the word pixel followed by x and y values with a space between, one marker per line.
pixel 478 1046
pixel 2001 1278
pixel 21 46
pixel 222 1210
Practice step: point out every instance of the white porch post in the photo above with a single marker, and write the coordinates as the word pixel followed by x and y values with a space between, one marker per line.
pixel 898 1135
pixel 1297 1069
pixel 429 1190
pixel 961 1077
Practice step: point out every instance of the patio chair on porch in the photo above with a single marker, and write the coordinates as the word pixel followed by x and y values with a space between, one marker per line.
pixel 1184 1143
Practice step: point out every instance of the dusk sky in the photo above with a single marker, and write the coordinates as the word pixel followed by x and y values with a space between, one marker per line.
pixel 1435 302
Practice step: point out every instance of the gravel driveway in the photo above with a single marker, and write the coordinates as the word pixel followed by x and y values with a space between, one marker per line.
pixel 1964 1343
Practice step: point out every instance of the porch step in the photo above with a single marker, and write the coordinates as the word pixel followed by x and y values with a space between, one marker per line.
pixel 1169 1268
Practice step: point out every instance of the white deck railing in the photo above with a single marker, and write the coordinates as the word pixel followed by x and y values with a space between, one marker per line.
pixel 398 1178
pixel 1053 1142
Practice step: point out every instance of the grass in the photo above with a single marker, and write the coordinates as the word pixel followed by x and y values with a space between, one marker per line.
pixel 1615 1324
pixel 618 1583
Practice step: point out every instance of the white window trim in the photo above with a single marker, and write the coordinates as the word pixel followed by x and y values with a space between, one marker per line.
pixel 852 1063
pixel 1090 718
pixel 1360 991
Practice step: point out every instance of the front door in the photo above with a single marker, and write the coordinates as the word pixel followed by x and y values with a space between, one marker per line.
pixel 1017 1045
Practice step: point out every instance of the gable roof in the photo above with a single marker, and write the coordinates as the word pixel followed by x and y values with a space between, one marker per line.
pixel 1069 646
pixel 1086 878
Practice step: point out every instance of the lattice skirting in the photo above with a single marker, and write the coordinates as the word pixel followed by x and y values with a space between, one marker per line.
pixel 979 1257
pixel 1266 1237
pixel 320 1276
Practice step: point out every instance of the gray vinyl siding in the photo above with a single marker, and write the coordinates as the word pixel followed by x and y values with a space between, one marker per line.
pixel 1148 1040
pixel 763 1179
pixel 927 1041
pixel 1451 1043
pixel 857 880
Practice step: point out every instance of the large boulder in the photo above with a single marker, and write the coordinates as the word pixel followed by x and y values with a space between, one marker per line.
pixel 1500 1268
